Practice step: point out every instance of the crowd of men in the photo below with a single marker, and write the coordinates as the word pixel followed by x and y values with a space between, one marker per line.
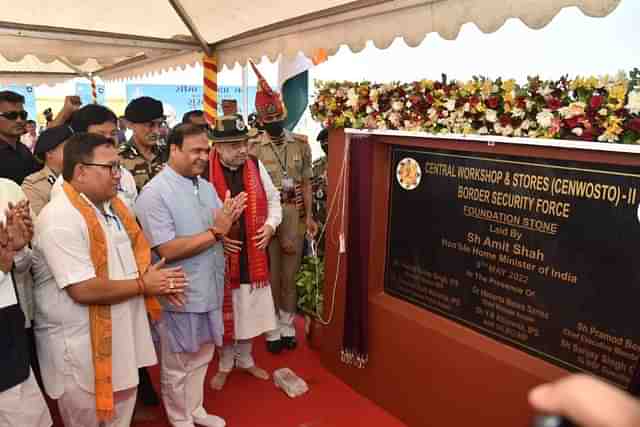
pixel 116 255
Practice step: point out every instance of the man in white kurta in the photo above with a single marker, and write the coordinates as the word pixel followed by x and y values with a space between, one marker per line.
pixel 253 307
pixel 62 259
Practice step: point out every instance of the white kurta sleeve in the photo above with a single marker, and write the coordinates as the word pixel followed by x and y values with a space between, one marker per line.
pixel 22 260
pixel 67 253
pixel 274 215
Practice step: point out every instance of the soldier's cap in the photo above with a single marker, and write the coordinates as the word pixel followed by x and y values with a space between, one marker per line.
pixel 229 129
pixel 143 110
pixel 51 138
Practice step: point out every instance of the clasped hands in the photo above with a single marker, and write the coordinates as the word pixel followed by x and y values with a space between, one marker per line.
pixel 231 210
pixel 169 282
pixel 15 233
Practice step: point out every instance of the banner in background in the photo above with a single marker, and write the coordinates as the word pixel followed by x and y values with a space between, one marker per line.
pixel 179 99
pixel 29 98
pixel 83 90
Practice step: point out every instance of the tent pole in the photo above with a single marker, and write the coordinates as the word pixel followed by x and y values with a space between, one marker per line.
pixel 191 26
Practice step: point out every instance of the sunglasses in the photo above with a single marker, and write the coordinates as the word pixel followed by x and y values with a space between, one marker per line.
pixel 14 115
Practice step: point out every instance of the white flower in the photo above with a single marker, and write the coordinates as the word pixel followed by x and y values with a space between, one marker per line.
pixel 353 98
pixel 370 109
pixel 397 105
pixel 634 101
pixel 545 118
pixel 483 130
pixel 395 119
pixel 451 104
pixel 445 113
pixel 491 115
pixel 467 107
pixel 577 131
pixel 545 91
pixel 517 113
pixel 603 112
pixel 507 130
pixel 529 104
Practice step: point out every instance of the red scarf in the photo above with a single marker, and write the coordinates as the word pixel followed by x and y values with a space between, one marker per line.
pixel 255 215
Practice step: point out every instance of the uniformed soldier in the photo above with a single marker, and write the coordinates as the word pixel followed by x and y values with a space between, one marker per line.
pixel 49 148
pixel 319 180
pixel 287 158
pixel 144 155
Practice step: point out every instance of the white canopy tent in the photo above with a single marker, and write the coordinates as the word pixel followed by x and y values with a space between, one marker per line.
pixel 43 41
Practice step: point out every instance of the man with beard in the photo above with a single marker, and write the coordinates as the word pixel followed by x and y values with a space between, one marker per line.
pixel 185 221
pixel 287 158
pixel 142 155
pixel 16 160
pixel 248 308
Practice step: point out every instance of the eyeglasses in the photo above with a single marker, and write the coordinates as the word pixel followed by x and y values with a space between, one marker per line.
pixel 115 166
pixel 13 115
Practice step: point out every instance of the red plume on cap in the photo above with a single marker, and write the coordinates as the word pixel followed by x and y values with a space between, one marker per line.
pixel 268 103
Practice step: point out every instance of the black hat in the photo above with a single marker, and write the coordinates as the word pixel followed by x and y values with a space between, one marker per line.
pixel 144 110
pixel 51 138
pixel 229 129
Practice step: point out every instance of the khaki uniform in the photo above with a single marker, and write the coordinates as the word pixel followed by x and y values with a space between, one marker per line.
pixel 37 188
pixel 319 187
pixel 141 169
pixel 293 154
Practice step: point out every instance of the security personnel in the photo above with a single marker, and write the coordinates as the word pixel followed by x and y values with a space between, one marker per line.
pixel 287 158
pixel 144 155
pixel 48 150
pixel 319 179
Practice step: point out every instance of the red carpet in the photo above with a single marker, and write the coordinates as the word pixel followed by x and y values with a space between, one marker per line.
pixel 249 402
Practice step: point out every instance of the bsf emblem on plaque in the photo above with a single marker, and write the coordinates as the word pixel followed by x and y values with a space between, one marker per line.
pixel 408 173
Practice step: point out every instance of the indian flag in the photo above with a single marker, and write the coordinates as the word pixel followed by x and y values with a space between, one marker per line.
pixel 293 84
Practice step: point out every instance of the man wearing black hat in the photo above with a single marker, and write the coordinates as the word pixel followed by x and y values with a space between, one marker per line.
pixel 48 150
pixel 248 308
pixel 142 155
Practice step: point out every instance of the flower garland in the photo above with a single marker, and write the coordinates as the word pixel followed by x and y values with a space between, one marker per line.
pixel 605 109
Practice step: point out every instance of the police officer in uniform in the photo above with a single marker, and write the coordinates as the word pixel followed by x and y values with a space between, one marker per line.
pixel 287 158
pixel 144 155
pixel 48 150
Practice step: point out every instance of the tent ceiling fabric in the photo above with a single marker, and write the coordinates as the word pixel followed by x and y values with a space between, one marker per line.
pixel 109 40
pixel 411 19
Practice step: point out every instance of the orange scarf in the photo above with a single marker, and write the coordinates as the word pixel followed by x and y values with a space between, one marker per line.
pixel 100 315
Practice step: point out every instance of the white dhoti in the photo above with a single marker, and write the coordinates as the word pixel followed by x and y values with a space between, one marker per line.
pixel 182 378
pixel 253 312
pixel 78 407
pixel 23 405
pixel 253 315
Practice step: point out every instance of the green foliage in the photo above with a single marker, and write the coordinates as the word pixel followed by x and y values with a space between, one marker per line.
pixel 310 285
